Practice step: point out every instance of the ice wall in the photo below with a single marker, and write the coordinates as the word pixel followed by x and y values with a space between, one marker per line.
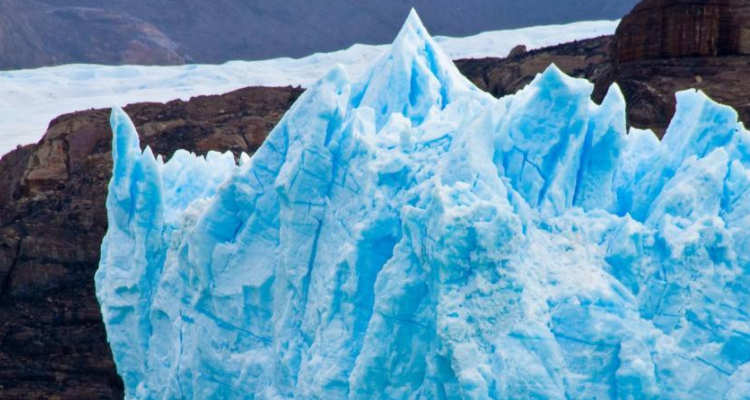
pixel 407 236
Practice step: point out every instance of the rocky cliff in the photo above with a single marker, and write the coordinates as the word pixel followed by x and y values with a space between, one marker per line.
pixel 663 29
pixel 660 48
pixel 664 46
pixel 502 76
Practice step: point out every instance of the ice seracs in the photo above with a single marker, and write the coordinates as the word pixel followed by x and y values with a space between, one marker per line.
pixel 406 236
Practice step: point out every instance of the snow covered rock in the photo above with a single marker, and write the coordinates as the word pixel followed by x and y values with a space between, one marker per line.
pixel 407 236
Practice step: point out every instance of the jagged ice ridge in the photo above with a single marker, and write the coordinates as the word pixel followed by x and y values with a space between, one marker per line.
pixel 407 236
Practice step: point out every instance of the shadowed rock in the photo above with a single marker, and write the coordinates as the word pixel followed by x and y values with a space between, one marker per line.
pixel 664 46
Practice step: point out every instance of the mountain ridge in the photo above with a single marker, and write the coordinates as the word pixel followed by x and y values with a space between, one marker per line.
pixel 232 30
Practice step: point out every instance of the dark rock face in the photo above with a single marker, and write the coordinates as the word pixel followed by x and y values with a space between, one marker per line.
pixel 664 46
pixel 52 221
pixel 663 29
pixel 649 86
pixel 503 76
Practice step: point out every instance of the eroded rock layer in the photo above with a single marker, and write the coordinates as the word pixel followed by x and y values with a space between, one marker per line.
pixel 664 46
pixel 661 29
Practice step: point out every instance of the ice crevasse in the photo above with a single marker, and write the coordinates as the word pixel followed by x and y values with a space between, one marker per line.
pixel 407 236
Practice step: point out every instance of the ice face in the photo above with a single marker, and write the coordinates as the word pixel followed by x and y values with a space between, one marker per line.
pixel 407 236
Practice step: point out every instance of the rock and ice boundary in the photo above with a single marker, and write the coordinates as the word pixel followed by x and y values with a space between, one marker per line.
pixel 406 236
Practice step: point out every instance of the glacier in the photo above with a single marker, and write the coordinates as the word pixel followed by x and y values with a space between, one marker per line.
pixel 404 235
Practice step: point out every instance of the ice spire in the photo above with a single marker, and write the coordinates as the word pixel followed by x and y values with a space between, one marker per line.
pixel 414 77
pixel 133 245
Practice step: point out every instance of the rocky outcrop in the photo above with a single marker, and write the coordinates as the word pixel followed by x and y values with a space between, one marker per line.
pixel 660 48
pixel 664 46
pixel 649 86
pixel 648 78
pixel 665 29
pixel 52 220
pixel 502 76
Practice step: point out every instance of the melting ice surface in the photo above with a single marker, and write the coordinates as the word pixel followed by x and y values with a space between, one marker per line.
pixel 407 236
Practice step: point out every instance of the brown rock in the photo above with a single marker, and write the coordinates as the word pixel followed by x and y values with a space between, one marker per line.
pixel 665 46
pixel 662 29
pixel 503 76
pixel 48 166
pixel 517 51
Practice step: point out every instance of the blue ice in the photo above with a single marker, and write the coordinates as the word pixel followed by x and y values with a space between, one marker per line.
pixel 404 235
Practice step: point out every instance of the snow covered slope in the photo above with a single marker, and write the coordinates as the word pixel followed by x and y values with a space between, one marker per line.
pixel 30 99
pixel 406 236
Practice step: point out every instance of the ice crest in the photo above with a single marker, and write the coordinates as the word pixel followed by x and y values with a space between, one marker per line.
pixel 413 78
pixel 406 236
